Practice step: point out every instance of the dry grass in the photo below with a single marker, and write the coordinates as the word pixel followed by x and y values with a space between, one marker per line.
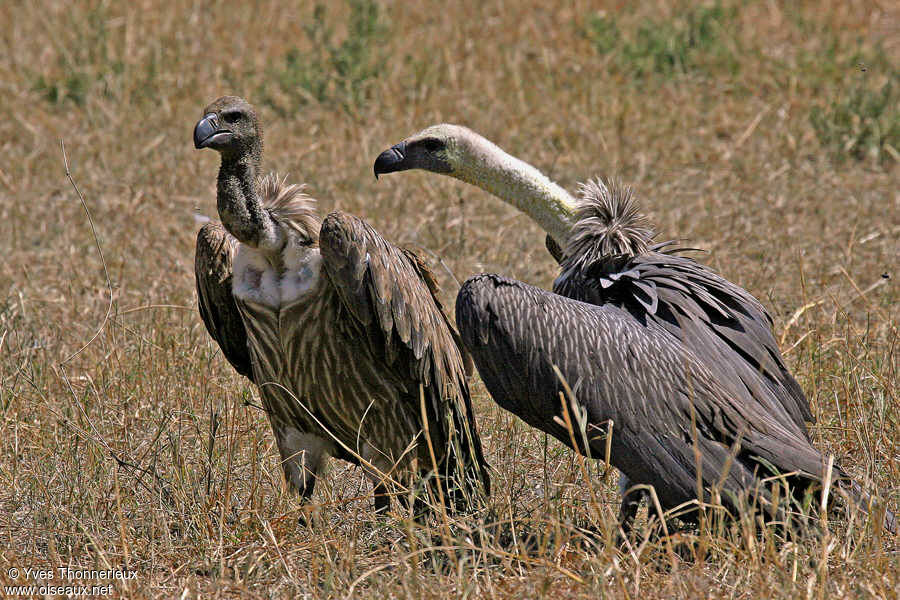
pixel 719 141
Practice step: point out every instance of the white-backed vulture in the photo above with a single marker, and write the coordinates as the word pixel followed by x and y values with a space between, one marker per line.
pixel 341 330
pixel 651 310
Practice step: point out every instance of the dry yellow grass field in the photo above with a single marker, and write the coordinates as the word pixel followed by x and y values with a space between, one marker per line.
pixel 764 132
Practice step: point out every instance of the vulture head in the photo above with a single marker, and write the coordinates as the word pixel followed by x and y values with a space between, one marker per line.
pixel 447 149
pixel 229 126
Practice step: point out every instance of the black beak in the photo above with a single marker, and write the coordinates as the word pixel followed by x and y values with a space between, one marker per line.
pixel 391 160
pixel 207 129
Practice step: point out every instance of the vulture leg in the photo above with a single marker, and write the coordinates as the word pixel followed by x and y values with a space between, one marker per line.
pixel 382 499
pixel 302 455
pixel 380 472
pixel 631 502
pixel 418 487
pixel 421 507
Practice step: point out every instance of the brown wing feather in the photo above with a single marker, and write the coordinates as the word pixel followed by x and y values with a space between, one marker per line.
pixel 389 288
pixel 434 287
pixel 213 270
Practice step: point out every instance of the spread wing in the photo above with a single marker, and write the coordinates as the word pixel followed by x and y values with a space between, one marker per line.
pixel 213 270
pixel 642 379
pixel 393 296
pixel 726 327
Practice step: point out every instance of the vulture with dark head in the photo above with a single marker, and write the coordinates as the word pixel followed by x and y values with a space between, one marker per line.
pixel 341 330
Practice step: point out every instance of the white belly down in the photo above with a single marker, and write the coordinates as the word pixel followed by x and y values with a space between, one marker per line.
pixel 258 280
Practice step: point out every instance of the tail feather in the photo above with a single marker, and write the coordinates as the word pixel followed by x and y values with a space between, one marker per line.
pixel 465 469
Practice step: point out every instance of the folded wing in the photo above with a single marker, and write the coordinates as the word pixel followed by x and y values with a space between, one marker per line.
pixel 719 321
pixel 213 271
pixel 653 389
pixel 392 293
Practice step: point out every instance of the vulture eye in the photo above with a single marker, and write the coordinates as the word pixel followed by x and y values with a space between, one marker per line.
pixel 231 117
pixel 431 145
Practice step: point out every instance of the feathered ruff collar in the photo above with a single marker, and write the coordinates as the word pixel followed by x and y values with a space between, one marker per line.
pixel 608 225
pixel 290 206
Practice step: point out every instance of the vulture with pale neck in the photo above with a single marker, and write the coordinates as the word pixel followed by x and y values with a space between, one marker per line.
pixel 681 361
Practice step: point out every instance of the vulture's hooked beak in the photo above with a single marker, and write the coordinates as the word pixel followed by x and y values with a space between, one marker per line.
pixel 207 131
pixel 391 160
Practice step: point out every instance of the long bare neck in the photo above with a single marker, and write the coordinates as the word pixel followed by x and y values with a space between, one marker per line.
pixel 521 185
pixel 239 205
